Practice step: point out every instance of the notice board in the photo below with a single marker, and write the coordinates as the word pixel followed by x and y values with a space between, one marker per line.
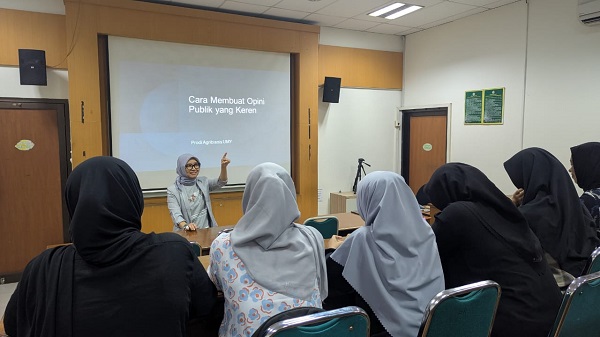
pixel 484 106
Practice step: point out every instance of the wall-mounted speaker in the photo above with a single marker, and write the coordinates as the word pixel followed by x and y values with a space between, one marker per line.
pixel 32 67
pixel 331 89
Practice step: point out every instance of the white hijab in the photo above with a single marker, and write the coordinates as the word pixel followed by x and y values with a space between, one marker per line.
pixel 279 254
pixel 393 261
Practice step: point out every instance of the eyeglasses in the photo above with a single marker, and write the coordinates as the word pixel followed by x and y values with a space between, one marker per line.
pixel 192 166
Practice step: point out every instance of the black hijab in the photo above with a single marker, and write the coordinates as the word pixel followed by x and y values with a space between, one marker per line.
pixel 105 202
pixel 586 163
pixel 552 208
pixel 458 187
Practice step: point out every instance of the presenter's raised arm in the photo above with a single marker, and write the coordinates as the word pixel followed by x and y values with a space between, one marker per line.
pixel 224 162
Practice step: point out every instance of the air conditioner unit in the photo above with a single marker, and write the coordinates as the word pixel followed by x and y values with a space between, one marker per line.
pixel 589 12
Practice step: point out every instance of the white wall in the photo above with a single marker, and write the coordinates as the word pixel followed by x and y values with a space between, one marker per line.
pixel 58 85
pixel 361 125
pixel 547 61
pixel 563 79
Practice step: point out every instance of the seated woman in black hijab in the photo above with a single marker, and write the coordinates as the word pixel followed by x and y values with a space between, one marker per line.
pixel 585 170
pixel 481 235
pixel 552 208
pixel 114 280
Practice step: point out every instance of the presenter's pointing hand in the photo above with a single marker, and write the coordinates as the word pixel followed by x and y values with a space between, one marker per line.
pixel 225 161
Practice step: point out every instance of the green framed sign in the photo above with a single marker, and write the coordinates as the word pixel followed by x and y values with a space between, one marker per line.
pixel 484 106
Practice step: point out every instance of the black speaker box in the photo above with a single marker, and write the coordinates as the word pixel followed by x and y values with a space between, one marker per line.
pixel 331 89
pixel 32 67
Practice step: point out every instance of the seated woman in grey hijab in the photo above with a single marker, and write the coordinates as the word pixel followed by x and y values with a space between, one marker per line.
pixel 391 266
pixel 267 264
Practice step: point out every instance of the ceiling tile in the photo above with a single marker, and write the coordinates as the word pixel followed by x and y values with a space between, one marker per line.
pixel 354 24
pixel 304 5
pixel 454 18
pixel 480 3
pixel 285 13
pixel 46 6
pixel 431 14
pixel 424 3
pixel 242 7
pixel 501 3
pixel 351 8
pixel 324 20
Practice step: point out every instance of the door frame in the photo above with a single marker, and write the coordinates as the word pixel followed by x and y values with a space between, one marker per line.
pixel 61 106
pixel 407 114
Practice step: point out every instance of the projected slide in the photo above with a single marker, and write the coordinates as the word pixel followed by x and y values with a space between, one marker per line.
pixel 168 99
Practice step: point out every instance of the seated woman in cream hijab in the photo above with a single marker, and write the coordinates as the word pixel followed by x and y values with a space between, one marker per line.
pixel 267 264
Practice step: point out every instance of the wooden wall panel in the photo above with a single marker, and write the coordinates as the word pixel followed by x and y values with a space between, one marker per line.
pixel 29 30
pixel 361 68
pixel 86 19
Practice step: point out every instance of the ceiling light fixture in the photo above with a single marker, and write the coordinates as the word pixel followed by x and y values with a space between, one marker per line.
pixel 395 10
pixel 386 9
pixel 403 12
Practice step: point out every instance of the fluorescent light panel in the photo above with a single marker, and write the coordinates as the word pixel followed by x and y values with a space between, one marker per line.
pixel 395 10
pixel 403 12
pixel 387 9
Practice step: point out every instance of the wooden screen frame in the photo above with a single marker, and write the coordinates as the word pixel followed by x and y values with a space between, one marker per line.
pixel 87 19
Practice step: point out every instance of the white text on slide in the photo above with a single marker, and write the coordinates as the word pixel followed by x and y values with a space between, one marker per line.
pixel 211 142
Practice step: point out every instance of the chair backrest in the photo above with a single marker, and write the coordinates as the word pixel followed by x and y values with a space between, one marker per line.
pixel 593 264
pixel 348 322
pixel 465 311
pixel 291 313
pixel 196 248
pixel 326 225
pixel 578 314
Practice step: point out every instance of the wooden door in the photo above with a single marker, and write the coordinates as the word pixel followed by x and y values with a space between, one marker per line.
pixel 423 145
pixel 32 176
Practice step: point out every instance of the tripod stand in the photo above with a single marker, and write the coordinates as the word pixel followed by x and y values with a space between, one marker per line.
pixel 359 172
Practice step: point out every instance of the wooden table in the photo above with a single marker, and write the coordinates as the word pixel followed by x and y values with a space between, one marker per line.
pixel 347 223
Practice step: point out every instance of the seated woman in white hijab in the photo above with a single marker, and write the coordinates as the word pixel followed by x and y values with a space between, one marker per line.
pixel 267 264
pixel 390 267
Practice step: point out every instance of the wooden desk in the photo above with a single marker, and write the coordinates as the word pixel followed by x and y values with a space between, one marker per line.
pixel 203 236
pixel 342 202
pixel 347 223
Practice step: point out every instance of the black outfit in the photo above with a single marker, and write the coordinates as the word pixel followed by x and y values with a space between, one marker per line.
pixel 586 163
pixel 552 208
pixel 114 280
pixel 341 294
pixel 481 235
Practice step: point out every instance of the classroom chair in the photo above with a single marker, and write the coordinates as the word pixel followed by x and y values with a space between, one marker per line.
pixel 578 314
pixel 465 311
pixel 326 225
pixel 348 322
pixel 593 264
pixel 196 248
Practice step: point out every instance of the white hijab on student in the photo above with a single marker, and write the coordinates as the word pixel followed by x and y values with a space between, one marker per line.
pixel 393 261
pixel 279 254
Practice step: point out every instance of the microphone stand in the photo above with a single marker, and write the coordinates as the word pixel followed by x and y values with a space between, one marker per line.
pixel 359 172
